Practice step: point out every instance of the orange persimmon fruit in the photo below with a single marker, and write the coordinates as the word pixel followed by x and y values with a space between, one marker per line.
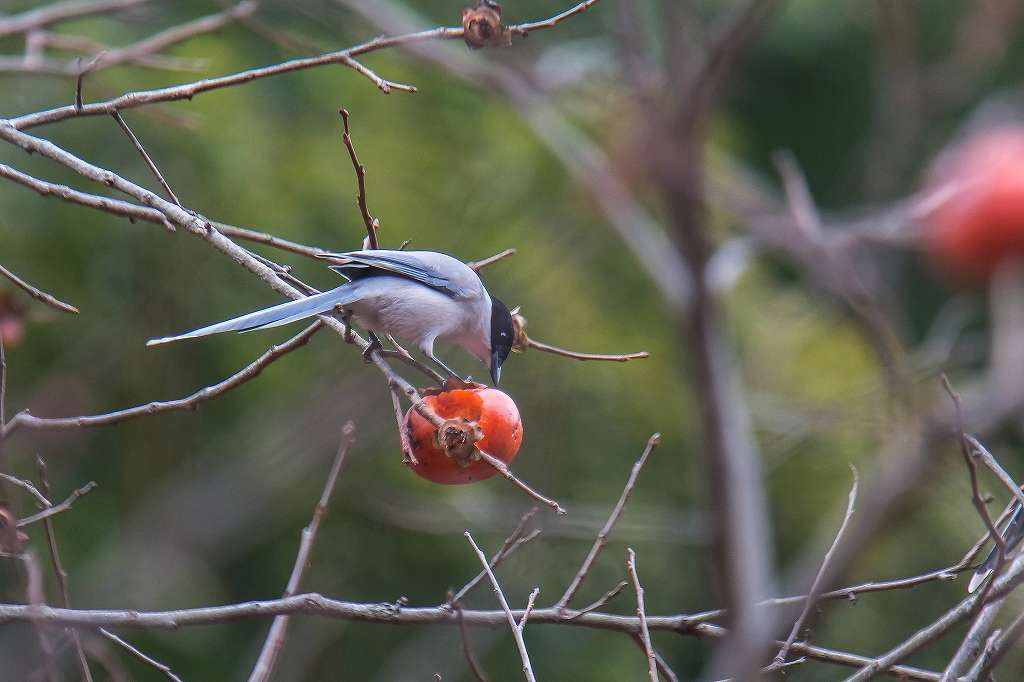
pixel 490 410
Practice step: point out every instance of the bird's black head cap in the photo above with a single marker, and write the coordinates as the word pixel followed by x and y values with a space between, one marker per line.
pixel 503 335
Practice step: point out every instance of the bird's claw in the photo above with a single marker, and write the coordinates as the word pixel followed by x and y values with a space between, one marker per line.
pixel 454 382
pixel 373 345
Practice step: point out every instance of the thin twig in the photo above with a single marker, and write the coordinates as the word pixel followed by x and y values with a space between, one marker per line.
pixel 148 660
pixel 383 84
pixel 523 29
pixel 967 608
pixel 479 265
pixel 984 617
pixel 641 612
pixel 517 632
pixel 530 603
pixel 53 510
pixel 192 402
pixel 503 469
pixel 372 224
pixel 133 212
pixel 38 294
pixel 403 435
pixel 316 605
pixel 36 597
pixel 174 35
pixel 663 668
pixel 514 540
pixel 972 468
pixel 274 643
pixel 190 90
pixel 995 652
pixel 852 592
pixel 974 641
pixel 981 452
pixel 28 487
pixel 145 52
pixel 602 535
pixel 60 11
pixel 605 598
pixel 145 156
pixel 812 595
pixel 547 348
pixel 58 567
pixel 467 647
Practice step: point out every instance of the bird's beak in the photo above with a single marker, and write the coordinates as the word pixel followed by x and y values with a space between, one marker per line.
pixel 495 369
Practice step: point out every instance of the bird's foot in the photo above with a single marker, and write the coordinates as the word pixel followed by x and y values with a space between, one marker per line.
pixel 374 345
pixel 454 382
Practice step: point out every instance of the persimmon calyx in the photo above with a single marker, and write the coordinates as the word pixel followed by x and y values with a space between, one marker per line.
pixel 458 438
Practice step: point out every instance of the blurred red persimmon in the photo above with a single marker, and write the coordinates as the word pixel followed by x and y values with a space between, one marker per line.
pixel 490 410
pixel 12 322
pixel 982 224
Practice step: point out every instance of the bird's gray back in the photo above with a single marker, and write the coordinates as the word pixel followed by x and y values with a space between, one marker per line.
pixel 390 304
pixel 430 268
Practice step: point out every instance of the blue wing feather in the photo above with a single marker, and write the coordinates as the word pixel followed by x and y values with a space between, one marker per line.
pixel 359 264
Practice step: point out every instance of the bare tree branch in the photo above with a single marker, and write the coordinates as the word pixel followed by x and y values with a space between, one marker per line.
pixel 24 420
pixel 517 631
pixel 52 510
pixel 511 543
pixel 372 224
pixel 641 612
pixel 190 90
pixel 575 355
pixel 602 535
pixel 467 648
pixel 666 672
pixel 264 668
pixel 479 265
pixel 61 11
pixel 812 596
pixel 134 651
pixel 146 157
pixel 604 599
pixel 173 36
pixel 523 29
pixel 317 605
pixel 38 294
pixel 1002 585
pixel 503 469
pixel 988 460
pixel 995 651
pixel 35 594
pixel 58 567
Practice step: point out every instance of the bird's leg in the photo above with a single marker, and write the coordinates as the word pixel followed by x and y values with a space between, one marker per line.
pixel 444 368
pixel 454 381
pixel 374 345
pixel 346 319
pixel 398 347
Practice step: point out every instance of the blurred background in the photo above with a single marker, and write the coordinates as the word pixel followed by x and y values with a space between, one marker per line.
pixel 205 507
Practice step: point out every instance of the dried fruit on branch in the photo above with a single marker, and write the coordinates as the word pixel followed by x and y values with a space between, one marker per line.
pixel 483 27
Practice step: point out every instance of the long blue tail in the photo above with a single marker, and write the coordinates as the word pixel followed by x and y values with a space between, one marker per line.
pixel 274 316
pixel 1013 533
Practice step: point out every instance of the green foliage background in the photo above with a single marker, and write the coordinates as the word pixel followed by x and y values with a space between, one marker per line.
pixel 206 507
